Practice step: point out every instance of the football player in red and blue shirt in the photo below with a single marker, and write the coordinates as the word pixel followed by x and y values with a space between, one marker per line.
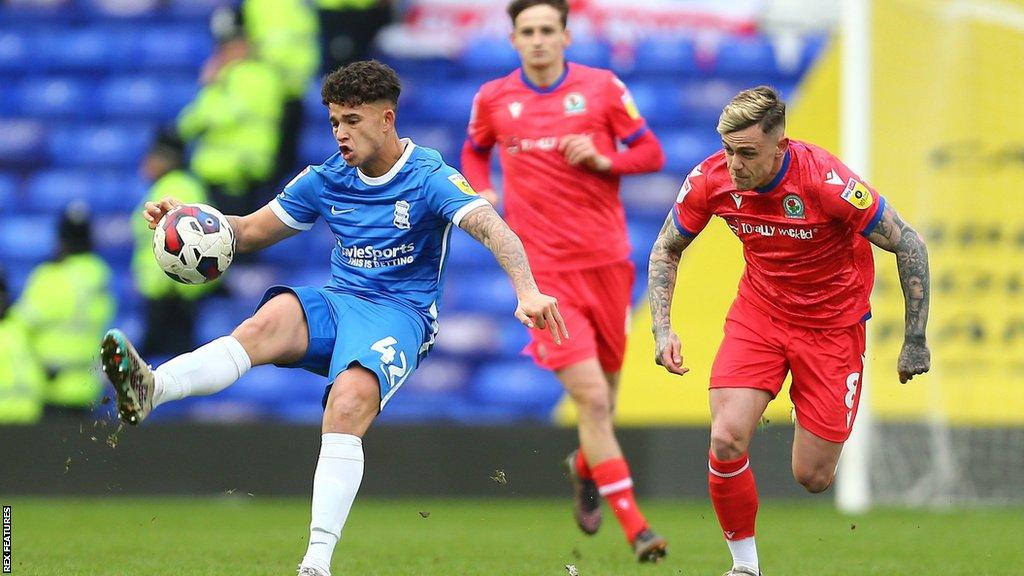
pixel 557 127
pixel 806 222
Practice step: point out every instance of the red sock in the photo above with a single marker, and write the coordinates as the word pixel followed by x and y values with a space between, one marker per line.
pixel 615 484
pixel 734 496
pixel 582 470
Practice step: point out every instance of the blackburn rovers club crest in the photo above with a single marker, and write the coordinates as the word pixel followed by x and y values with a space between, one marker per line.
pixel 575 103
pixel 793 206
pixel 402 214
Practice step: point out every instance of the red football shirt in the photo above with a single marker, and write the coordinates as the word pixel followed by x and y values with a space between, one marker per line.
pixel 567 217
pixel 803 234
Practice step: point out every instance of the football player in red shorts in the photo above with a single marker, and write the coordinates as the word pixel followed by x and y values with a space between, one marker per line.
pixel 806 222
pixel 557 126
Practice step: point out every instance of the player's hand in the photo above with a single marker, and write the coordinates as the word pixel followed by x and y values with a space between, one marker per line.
pixel 915 358
pixel 154 211
pixel 579 150
pixel 536 310
pixel 668 353
pixel 490 195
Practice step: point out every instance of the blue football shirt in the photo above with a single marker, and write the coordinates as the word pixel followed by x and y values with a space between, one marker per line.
pixel 392 232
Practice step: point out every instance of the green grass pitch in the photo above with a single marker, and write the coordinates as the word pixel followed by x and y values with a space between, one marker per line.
pixel 254 536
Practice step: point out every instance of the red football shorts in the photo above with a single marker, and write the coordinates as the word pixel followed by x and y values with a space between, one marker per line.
pixel 594 303
pixel 827 366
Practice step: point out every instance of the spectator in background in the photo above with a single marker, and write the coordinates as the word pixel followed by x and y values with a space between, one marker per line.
pixel 21 378
pixel 66 304
pixel 170 306
pixel 234 120
pixel 348 28
pixel 285 34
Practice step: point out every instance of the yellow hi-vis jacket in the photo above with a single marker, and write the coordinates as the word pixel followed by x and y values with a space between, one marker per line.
pixel 285 34
pixel 234 123
pixel 21 377
pixel 66 306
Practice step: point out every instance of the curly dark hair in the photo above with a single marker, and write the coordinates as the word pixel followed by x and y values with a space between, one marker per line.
pixel 361 82
pixel 517 6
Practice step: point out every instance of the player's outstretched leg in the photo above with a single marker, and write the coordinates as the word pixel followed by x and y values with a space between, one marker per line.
pixel 589 388
pixel 586 499
pixel 132 378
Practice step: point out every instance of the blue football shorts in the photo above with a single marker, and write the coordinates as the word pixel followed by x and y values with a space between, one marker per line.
pixel 346 329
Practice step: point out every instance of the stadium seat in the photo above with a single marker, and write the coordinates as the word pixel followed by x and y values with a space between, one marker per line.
pixel 105 191
pixel 468 334
pixel 438 137
pixel 642 233
pixel 669 56
pixel 489 55
pixel 9 186
pixel 659 103
pixel 516 383
pixel 650 195
pixel 316 143
pixel 218 316
pixel 513 338
pixel 479 291
pixel 448 103
pixel 586 51
pixel 273 386
pixel 157 98
pixel 22 143
pixel 55 97
pixel 180 47
pixel 15 50
pixel 745 57
pixel 27 239
pixel 100 145
pixel 684 149
pixel 90 49
pixel 703 100
pixel 113 240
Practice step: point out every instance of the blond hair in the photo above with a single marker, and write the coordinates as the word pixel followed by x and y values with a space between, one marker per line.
pixel 760 105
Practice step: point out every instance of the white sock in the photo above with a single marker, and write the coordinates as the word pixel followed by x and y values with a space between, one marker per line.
pixel 744 553
pixel 206 370
pixel 335 483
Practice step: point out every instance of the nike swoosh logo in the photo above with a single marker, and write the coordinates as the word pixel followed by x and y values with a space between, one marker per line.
pixel 336 212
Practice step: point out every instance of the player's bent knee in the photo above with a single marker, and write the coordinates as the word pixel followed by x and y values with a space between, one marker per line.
pixel 354 401
pixel 594 400
pixel 814 480
pixel 727 445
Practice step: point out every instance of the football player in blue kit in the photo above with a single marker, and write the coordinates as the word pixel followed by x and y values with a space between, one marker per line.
pixel 391 206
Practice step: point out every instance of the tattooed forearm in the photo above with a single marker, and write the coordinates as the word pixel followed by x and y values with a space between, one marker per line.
pixel 489 229
pixel 661 275
pixel 895 235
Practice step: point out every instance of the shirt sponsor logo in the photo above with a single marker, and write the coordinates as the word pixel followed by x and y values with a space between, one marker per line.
pixel 402 215
pixel 544 144
pixel 515 109
pixel 857 194
pixel 793 206
pixel 370 256
pixel 771 230
pixel 462 184
pixel 574 103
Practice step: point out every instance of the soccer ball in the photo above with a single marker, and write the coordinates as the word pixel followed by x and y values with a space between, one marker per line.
pixel 194 243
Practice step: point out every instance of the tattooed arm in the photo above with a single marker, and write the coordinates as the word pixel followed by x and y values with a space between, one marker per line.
pixel 893 234
pixel 535 309
pixel 661 285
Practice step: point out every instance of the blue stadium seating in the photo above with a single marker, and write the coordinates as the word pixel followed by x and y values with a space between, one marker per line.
pixel 22 143
pixel 27 239
pixel 488 56
pixel 105 191
pixel 149 97
pixel 670 56
pixel 9 185
pixel 100 145
pixel 519 384
pixel 86 84
pixel 54 97
pixel 745 57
